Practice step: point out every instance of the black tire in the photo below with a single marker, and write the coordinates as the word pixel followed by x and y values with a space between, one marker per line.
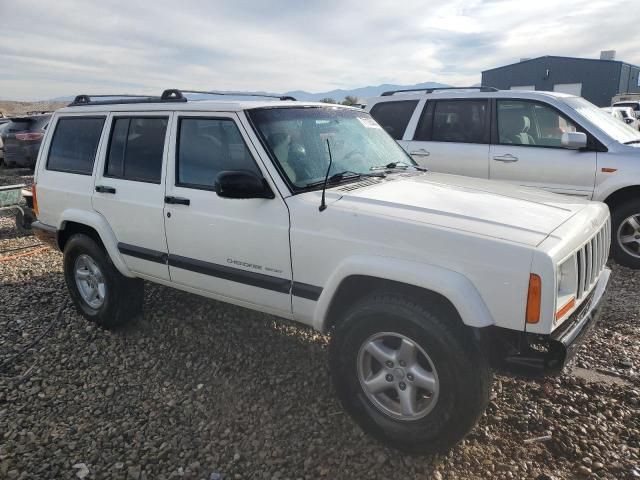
pixel 619 215
pixel 24 221
pixel 124 296
pixel 463 372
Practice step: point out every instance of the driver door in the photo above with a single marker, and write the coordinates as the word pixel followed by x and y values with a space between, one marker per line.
pixel 234 249
pixel 526 150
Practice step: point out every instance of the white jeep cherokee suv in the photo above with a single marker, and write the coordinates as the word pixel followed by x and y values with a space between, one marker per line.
pixel 425 281
pixel 555 141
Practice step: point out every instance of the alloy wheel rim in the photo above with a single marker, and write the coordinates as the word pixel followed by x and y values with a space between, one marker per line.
pixel 629 235
pixel 90 281
pixel 398 376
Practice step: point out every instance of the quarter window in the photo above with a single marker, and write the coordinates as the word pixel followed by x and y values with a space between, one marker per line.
pixel 394 116
pixel 74 144
pixel 208 146
pixel 531 124
pixel 136 148
pixel 461 121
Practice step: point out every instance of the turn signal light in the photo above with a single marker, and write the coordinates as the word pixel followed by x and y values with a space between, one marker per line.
pixel 568 306
pixel 534 297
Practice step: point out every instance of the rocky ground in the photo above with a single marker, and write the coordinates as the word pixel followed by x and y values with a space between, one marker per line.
pixel 197 389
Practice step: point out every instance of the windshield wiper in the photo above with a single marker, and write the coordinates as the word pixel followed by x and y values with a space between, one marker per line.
pixel 631 142
pixel 395 165
pixel 345 175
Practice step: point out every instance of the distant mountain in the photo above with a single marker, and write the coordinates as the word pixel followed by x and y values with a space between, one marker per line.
pixel 362 93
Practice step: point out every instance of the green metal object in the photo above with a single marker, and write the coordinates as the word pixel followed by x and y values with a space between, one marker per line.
pixel 11 195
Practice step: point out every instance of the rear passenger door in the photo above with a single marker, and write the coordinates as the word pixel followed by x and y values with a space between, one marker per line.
pixel 452 136
pixel 129 189
pixel 234 249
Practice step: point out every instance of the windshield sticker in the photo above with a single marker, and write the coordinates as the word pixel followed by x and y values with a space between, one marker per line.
pixel 368 122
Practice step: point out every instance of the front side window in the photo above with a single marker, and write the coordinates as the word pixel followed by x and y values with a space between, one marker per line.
pixel 297 140
pixel 208 146
pixel 394 116
pixel 74 144
pixel 461 121
pixel 136 148
pixel 521 122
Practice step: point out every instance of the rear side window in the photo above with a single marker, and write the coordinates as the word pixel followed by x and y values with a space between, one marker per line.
pixel 394 116
pixel 462 121
pixel 136 148
pixel 208 146
pixel 74 144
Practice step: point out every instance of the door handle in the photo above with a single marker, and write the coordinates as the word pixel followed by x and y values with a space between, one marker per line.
pixel 177 200
pixel 105 189
pixel 420 153
pixel 508 158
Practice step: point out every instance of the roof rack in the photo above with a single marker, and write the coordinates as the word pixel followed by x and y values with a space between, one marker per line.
pixel 239 94
pixel 431 90
pixel 169 95
pixel 113 99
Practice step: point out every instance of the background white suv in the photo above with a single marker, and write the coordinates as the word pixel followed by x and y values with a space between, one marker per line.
pixel 558 142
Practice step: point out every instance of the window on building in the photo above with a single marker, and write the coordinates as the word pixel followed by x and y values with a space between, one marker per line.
pixel 74 144
pixel 136 148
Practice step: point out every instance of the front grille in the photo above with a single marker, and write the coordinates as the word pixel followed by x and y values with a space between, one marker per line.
pixel 592 258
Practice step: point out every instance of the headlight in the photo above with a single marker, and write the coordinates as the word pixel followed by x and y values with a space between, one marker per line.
pixel 567 287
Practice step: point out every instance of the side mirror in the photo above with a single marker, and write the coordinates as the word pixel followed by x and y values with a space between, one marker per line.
pixel 629 120
pixel 574 140
pixel 242 184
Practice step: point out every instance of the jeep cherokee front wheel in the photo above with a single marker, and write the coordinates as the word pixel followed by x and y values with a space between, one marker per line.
pixel 411 377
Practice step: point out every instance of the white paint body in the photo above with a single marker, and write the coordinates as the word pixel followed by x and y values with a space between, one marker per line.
pixel 559 170
pixel 473 241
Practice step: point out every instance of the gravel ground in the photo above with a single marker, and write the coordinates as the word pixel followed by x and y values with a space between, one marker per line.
pixel 197 389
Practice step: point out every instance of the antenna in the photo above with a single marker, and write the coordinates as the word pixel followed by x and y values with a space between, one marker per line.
pixel 323 205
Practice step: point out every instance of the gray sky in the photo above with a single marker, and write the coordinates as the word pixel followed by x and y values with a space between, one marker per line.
pixel 63 47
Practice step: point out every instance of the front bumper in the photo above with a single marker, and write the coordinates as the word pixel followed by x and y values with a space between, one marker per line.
pixel 527 354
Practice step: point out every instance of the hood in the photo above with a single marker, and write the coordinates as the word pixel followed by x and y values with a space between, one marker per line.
pixel 482 207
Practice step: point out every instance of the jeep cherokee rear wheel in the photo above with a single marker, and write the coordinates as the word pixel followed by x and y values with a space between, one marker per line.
pixel 100 293
pixel 411 377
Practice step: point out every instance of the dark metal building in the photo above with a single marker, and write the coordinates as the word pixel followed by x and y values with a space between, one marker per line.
pixel 596 80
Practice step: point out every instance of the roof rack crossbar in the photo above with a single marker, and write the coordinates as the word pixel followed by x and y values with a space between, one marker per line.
pixel 115 99
pixel 238 94
pixel 431 90
pixel 169 95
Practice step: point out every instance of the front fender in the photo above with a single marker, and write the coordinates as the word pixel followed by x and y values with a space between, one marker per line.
pixel 99 224
pixel 452 285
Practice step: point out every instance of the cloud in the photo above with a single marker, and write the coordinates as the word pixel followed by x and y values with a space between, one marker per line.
pixel 71 46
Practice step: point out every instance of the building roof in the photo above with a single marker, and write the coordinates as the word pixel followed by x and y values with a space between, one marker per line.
pixel 560 57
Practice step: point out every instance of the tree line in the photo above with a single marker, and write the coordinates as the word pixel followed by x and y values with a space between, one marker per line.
pixel 348 100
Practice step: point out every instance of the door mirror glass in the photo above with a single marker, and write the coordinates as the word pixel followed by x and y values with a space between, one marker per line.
pixel 574 140
pixel 242 184
pixel 629 120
